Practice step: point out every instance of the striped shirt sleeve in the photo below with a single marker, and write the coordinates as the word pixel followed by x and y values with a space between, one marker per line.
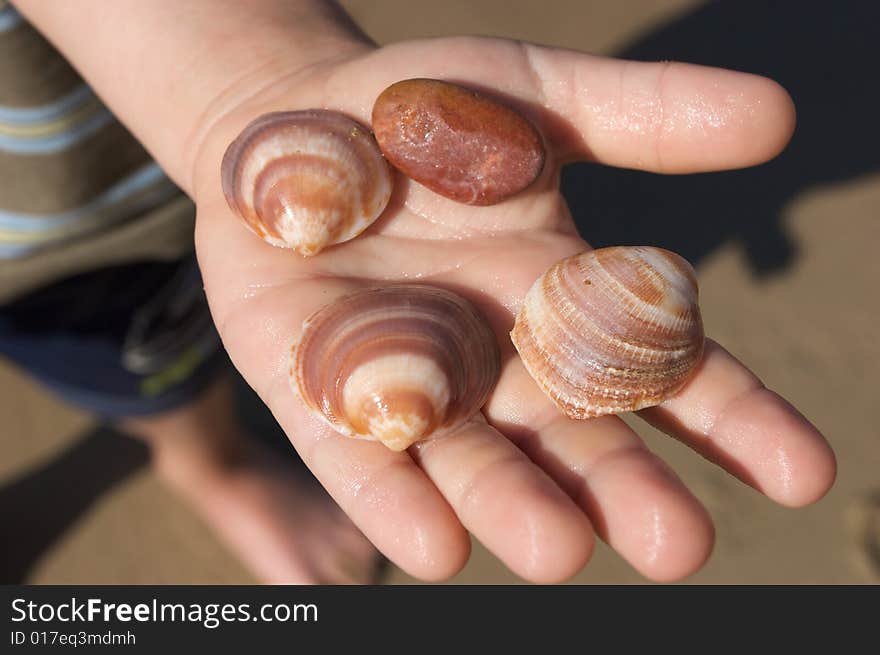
pixel 69 171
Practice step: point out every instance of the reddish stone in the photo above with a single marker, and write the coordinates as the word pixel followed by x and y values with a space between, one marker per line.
pixel 456 142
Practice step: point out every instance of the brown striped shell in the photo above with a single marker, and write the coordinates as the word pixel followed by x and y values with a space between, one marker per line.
pixel 306 179
pixel 395 364
pixel 612 330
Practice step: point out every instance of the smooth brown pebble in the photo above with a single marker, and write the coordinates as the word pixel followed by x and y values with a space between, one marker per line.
pixel 456 142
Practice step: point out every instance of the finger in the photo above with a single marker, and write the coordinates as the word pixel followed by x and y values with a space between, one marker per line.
pixel 728 416
pixel 634 501
pixel 667 117
pixel 509 504
pixel 389 498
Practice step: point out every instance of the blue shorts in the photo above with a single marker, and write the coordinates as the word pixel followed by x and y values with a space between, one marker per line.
pixel 128 340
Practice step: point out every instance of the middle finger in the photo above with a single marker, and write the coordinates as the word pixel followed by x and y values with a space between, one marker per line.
pixel 635 501
pixel 509 504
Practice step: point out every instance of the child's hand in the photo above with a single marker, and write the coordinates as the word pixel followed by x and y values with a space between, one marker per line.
pixel 530 484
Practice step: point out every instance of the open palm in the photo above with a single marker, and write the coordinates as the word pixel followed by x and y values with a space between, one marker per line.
pixel 529 483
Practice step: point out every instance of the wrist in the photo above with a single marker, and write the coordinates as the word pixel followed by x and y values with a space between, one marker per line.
pixel 171 70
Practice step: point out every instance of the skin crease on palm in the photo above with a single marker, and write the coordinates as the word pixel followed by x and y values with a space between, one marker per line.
pixel 533 486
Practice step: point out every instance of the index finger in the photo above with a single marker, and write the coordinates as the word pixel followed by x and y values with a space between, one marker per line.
pixel 726 414
pixel 666 117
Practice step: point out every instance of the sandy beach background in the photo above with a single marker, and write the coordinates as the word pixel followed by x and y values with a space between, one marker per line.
pixel 788 268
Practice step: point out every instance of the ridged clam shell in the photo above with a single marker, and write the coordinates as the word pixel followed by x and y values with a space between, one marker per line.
pixel 395 364
pixel 306 179
pixel 612 330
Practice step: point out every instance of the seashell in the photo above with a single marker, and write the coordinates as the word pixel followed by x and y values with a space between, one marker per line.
pixel 456 142
pixel 306 179
pixel 395 364
pixel 612 330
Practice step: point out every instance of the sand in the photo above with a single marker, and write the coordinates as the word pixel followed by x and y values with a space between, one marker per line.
pixel 788 272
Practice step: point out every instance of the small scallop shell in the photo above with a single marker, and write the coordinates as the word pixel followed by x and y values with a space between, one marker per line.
pixel 306 179
pixel 395 364
pixel 612 330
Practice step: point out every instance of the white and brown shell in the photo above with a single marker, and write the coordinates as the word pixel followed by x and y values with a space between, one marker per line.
pixel 612 330
pixel 395 364
pixel 306 179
